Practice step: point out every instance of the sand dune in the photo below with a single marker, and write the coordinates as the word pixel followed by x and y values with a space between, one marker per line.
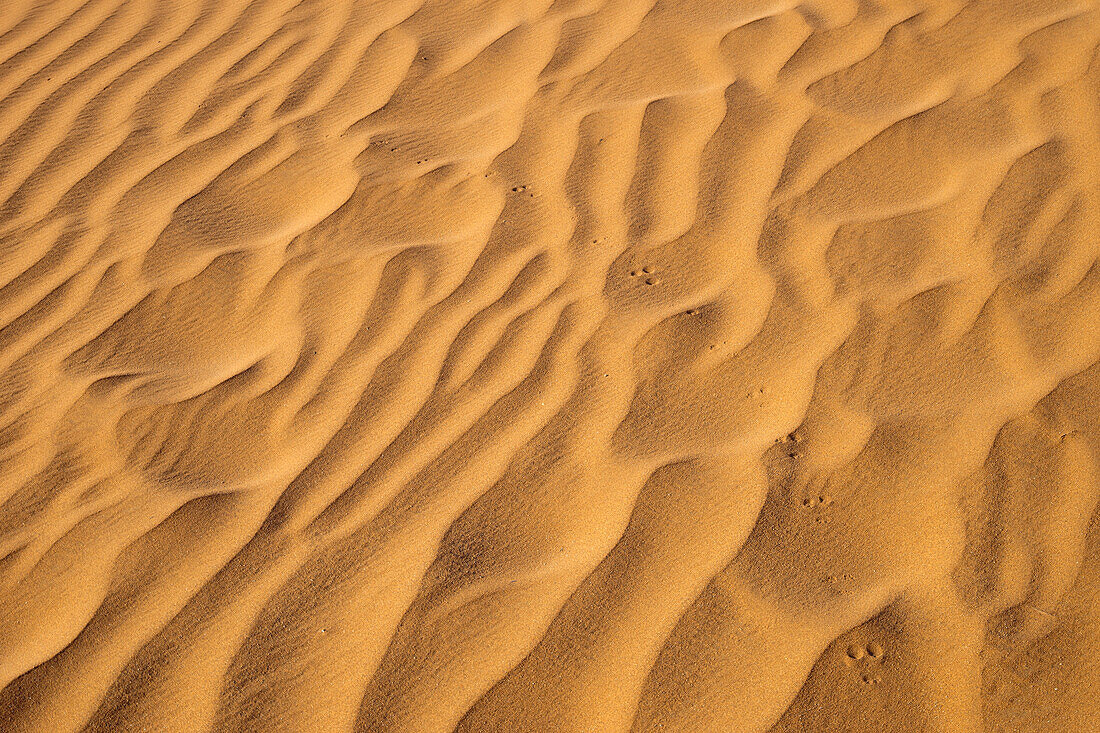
pixel 403 366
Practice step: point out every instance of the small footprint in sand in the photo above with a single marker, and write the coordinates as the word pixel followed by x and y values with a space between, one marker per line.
pixel 820 500
pixel 871 652
pixel 647 270
pixel 866 657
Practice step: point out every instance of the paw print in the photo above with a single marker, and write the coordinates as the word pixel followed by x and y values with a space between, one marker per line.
pixel 813 502
pixel 646 272
pixel 867 658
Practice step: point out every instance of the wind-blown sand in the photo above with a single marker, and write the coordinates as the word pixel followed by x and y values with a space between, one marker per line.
pixel 545 366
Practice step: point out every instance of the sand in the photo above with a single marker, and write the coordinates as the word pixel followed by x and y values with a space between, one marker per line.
pixel 546 366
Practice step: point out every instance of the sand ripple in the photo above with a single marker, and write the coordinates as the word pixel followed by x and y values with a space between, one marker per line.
pixel 412 366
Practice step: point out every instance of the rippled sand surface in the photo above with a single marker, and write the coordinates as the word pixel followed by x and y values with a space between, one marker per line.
pixel 549 366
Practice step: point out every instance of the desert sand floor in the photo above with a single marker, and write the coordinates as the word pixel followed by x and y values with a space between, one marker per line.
pixel 546 366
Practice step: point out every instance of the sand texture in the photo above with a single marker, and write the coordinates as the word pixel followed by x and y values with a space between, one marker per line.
pixel 549 366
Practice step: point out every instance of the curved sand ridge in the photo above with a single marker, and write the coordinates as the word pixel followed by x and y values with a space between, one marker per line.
pixel 549 365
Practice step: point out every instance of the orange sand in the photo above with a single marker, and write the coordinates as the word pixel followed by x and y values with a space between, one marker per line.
pixel 546 366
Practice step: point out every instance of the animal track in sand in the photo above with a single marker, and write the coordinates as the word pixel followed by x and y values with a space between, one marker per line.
pixel 818 501
pixel 870 651
pixel 865 659
pixel 642 273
